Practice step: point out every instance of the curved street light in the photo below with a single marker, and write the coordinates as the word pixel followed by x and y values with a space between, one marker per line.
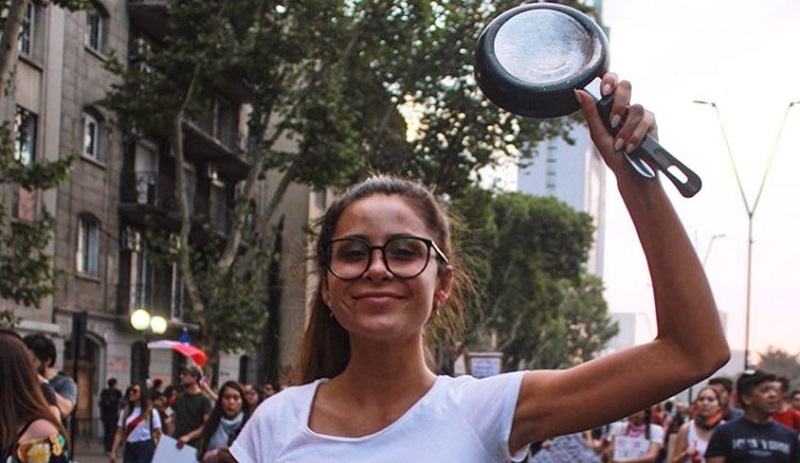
pixel 751 210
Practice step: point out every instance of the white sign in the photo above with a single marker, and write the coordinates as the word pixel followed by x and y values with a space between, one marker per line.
pixel 571 448
pixel 168 452
pixel 485 364
pixel 630 447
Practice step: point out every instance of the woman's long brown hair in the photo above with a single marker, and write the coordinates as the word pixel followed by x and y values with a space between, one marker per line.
pixel 22 400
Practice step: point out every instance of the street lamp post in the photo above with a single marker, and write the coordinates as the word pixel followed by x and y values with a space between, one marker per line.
pixel 142 321
pixel 751 210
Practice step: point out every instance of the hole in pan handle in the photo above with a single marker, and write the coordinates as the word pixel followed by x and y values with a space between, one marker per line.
pixel 685 180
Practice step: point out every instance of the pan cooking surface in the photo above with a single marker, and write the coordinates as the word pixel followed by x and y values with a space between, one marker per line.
pixel 542 47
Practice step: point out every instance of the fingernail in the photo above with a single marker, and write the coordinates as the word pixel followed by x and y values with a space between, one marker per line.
pixel 606 90
pixel 578 96
pixel 618 144
pixel 629 149
pixel 615 121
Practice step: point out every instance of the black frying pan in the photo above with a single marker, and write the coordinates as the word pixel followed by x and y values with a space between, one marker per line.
pixel 530 59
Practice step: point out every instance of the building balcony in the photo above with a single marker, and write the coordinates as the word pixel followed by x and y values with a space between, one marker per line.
pixel 222 150
pixel 144 199
pixel 150 16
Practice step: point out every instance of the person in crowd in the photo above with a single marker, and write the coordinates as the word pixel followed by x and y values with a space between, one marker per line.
pixel 636 439
pixel 138 427
pixel 110 398
pixel 29 431
pixel 269 390
pixel 692 438
pixel 755 436
pixel 724 387
pixel 191 407
pixel 47 389
pixel 786 414
pixel 155 389
pixel 796 399
pixel 227 418
pixel 389 279
pixel 252 395
pixel 44 349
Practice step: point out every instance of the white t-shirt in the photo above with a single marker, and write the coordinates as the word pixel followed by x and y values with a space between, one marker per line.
pixel 142 430
pixel 459 419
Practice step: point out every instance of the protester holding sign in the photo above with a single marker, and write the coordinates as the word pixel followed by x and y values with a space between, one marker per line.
pixel 636 439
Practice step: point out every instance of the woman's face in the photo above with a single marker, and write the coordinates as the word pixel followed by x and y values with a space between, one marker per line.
pixel 250 394
pixel 378 305
pixel 135 395
pixel 231 402
pixel 706 402
pixel 637 418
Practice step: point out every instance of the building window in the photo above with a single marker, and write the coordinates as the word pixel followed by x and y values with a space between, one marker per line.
pixel 96 25
pixel 91 136
pixel 26 32
pixel 25 124
pixel 88 255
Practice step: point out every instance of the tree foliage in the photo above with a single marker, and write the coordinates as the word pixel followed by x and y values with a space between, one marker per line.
pixel 26 267
pixel 782 363
pixel 527 255
pixel 334 77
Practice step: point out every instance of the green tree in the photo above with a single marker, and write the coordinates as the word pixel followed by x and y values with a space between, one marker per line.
pixel 27 269
pixel 781 363
pixel 527 256
pixel 333 76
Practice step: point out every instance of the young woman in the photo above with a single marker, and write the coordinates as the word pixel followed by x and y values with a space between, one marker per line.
pixel 226 420
pixel 29 433
pixel 389 277
pixel 139 427
pixel 252 395
pixel 636 439
pixel 693 436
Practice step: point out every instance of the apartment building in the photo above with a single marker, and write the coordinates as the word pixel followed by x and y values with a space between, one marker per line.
pixel 118 189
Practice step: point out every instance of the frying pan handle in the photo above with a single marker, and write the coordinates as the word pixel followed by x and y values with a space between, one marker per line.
pixel 687 182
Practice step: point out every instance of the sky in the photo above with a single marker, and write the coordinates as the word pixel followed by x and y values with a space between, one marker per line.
pixel 745 56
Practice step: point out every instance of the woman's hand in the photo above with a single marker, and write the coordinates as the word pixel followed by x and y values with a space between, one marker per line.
pixel 633 121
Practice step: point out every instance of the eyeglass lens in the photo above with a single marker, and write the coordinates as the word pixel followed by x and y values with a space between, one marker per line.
pixel 404 257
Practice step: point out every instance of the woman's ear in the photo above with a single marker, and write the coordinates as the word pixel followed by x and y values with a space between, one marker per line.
pixel 325 291
pixel 444 287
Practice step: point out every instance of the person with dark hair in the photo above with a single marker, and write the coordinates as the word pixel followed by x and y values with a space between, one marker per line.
pixel 110 398
pixel 29 432
pixel 755 436
pixel 389 283
pixel 796 399
pixel 786 414
pixel 253 395
pixel 724 387
pixel 226 420
pixel 191 408
pixel 139 427
pixel 636 439
pixel 44 350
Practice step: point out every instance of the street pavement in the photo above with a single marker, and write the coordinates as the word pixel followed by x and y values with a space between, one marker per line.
pixel 89 450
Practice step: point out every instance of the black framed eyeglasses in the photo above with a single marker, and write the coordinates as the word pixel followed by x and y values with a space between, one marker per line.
pixel 404 257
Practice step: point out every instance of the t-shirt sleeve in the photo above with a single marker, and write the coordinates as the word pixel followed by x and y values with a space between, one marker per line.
pixel 656 434
pixel 68 389
pixel 49 394
pixel 488 406
pixel 156 419
pixel 718 444
pixel 248 447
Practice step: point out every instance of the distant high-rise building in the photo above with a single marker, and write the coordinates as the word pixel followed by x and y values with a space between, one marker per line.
pixel 574 174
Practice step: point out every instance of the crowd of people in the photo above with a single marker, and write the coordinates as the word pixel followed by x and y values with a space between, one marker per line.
pixel 191 412
pixel 755 419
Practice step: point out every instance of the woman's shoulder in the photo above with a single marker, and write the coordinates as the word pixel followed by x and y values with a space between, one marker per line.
pixel 38 429
pixel 41 443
